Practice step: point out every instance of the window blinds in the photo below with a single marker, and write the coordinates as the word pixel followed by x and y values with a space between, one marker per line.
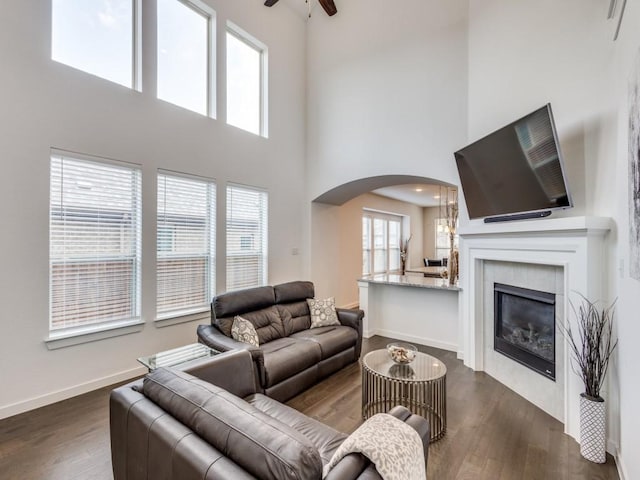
pixel 94 257
pixel 185 244
pixel 247 211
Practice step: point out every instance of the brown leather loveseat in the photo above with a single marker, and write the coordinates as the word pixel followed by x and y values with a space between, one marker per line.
pixel 291 356
pixel 210 422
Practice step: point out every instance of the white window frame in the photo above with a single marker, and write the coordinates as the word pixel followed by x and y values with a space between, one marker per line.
pixel 72 335
pixel 189 312
pixel 264 233
pixel 136 49
pixel 386 217
pixel 206 11
pixel 259 46
pixel 367 225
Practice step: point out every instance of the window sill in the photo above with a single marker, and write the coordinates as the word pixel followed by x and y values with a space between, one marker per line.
pixel 86 335
pixel 178 318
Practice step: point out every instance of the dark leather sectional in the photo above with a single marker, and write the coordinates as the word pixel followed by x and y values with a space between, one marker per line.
pixel 213 422
pixel 292 356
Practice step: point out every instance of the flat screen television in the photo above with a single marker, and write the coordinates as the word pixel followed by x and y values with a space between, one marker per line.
pixel 515 172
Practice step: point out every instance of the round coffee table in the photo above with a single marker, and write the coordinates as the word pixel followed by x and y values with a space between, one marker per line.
pixel 420 386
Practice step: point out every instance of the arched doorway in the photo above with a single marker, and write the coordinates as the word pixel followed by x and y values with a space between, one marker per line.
pixel 336 218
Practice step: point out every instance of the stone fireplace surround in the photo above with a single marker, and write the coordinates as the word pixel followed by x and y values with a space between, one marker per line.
pixel 563 256
pixel 541 391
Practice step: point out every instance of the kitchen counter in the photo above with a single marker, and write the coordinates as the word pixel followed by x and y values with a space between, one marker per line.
pixel 413 308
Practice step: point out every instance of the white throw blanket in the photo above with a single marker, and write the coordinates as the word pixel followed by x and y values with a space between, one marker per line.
pixel 392 446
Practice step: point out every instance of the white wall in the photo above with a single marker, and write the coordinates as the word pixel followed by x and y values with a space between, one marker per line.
pixel 46 104
pixel 524 54
pixel 336 243
pixel 625 377
pixel 386 91
pixel 386 95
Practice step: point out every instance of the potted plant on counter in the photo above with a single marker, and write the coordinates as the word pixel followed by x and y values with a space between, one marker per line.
pixel 592 345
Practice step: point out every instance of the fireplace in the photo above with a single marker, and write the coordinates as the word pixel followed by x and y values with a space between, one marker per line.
pixel 558 255
pixel 524 327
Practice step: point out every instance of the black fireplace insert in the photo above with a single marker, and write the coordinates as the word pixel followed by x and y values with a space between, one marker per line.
pixel 525 327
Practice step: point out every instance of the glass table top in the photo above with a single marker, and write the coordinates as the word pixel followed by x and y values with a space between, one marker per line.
pixel 423 368
pixel 177 356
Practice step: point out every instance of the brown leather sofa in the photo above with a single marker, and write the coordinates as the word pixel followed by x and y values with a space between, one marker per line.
pixel 291 357
pixel 211 422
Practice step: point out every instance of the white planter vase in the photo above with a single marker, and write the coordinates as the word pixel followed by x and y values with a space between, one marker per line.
pixel 593 429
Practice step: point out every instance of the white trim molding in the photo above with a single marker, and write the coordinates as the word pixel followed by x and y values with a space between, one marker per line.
pixel 576 244
pixel 88 334
pixel 49 398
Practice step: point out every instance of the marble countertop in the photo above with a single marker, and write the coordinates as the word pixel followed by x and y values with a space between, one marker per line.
pixel 410 281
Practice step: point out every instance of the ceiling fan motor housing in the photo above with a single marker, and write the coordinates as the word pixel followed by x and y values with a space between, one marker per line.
pixel 328 5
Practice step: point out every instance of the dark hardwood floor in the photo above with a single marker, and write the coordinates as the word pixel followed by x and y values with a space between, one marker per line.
pixel 492 433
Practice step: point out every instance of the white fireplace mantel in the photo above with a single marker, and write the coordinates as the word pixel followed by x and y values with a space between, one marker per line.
pixel 547 226
pixel 575 244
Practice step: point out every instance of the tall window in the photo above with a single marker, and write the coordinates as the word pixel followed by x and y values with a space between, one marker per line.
pixel 380 245
pixel 366 245
pixel 96 36
pixel 246 82
pixel 185 244
pixel 247 211
pixel 381 240
pixel 443 246
pixel 394 244
pixel 94 268
pixel 185 33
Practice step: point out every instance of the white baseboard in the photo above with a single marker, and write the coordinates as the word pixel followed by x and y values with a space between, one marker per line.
pixel 622 471
pixel 612 447
pixel 368 333
pixel 452 347
pixel 53 397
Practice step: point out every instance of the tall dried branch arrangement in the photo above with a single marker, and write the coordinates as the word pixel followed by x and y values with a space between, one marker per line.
pixel 451 215
pixel 404 248
pixel 592 344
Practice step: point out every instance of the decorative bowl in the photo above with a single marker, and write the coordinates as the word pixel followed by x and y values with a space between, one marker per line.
pixel 402 353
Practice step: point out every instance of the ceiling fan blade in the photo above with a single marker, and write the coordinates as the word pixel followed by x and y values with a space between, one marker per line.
pixel 329 7
pixel 270 3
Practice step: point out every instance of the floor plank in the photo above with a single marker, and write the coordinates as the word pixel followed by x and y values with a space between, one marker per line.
pixel 492 433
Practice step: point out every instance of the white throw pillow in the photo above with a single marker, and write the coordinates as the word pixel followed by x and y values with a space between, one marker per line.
pixel 243 331
pixel 323 312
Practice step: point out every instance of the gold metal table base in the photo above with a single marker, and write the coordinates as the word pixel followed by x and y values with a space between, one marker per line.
pixel 426 398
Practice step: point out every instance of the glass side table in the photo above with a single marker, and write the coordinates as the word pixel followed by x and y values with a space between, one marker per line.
pixel 178 356
pixel 420 386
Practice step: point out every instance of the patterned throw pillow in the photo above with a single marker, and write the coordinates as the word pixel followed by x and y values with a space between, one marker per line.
pixel 243 331
pixel 323 312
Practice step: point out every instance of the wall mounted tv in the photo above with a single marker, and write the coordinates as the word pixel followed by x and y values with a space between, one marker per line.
pixel 515 172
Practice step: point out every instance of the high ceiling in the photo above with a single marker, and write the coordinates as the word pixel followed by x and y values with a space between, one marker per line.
pixel 300 6
pixel 423 195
